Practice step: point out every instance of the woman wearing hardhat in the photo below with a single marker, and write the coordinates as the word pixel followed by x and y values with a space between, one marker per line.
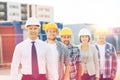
pixel 89 56
pixel 75 66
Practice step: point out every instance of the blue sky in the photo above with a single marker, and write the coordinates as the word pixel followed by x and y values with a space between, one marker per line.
pixel 101 12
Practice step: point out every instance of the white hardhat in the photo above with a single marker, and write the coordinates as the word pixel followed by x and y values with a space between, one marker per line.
pixel 84 31
pixel 32 21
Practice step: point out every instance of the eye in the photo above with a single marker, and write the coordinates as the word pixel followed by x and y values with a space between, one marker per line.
pixel 63 36
pixel 30 28
pixel 53 31
pixel 49 31
pixel 35 28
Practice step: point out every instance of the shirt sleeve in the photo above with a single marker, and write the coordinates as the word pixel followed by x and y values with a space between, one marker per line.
pixel 15 64
pixel 66 56
pixel 114 61
pixel 78 57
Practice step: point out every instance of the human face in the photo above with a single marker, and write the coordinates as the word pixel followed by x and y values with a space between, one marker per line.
pixel 33 31
pixel 101 36
pixel 66 39
pixel 84 38
pixel 51 34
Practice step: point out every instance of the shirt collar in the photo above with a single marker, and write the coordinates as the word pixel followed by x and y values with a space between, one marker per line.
pixel 29 40
pixel 70 45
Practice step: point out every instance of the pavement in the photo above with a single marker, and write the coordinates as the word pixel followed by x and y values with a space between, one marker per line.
pixel 5 72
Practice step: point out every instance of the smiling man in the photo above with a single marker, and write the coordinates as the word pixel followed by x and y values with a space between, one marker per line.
pixel 59 53
pixel 75 60
pixel 107 56
pixel 32 53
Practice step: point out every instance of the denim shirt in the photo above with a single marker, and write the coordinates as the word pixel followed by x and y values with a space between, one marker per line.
pixel 64 58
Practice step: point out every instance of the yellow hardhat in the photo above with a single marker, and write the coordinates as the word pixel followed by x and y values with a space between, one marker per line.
pixel 51 26
pixel 65 31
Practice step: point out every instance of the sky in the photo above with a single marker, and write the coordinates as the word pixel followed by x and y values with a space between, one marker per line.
pixel 100 12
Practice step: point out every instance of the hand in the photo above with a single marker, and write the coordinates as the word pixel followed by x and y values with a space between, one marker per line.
pixel 97 78
pixel 64 79
pixel 112 77
pixel 79 79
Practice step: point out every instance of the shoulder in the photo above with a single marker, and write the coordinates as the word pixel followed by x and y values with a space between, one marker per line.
pixel 21 44
pixel 60 44
pixel 109 44
pixel 92 46
pixel 43 44
pixel 75 47
pixel 61 47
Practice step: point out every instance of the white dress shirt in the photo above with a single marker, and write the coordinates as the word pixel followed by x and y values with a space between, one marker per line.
pixel 22 54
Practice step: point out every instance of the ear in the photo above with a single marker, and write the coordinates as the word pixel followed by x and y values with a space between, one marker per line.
pixel 26 29
pixel 57 32
pixel 39 30
pixel 46 31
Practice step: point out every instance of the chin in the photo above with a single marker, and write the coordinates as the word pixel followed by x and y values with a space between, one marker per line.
pixel 33 37
pixel 66 43
pixel 52 38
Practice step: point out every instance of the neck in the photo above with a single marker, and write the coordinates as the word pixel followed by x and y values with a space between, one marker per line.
pixel 101 42
pixel 67 45
pixel 84 44
pixel 33 39
pixel 51 41
pixel 85 47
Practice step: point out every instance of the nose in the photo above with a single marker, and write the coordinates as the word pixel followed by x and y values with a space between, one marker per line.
pixel 33 30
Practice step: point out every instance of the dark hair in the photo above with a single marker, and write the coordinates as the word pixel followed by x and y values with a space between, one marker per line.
pixel 87 36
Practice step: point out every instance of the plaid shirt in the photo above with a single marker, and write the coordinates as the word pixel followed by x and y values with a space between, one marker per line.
pixel 110 60
pixel 74 54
